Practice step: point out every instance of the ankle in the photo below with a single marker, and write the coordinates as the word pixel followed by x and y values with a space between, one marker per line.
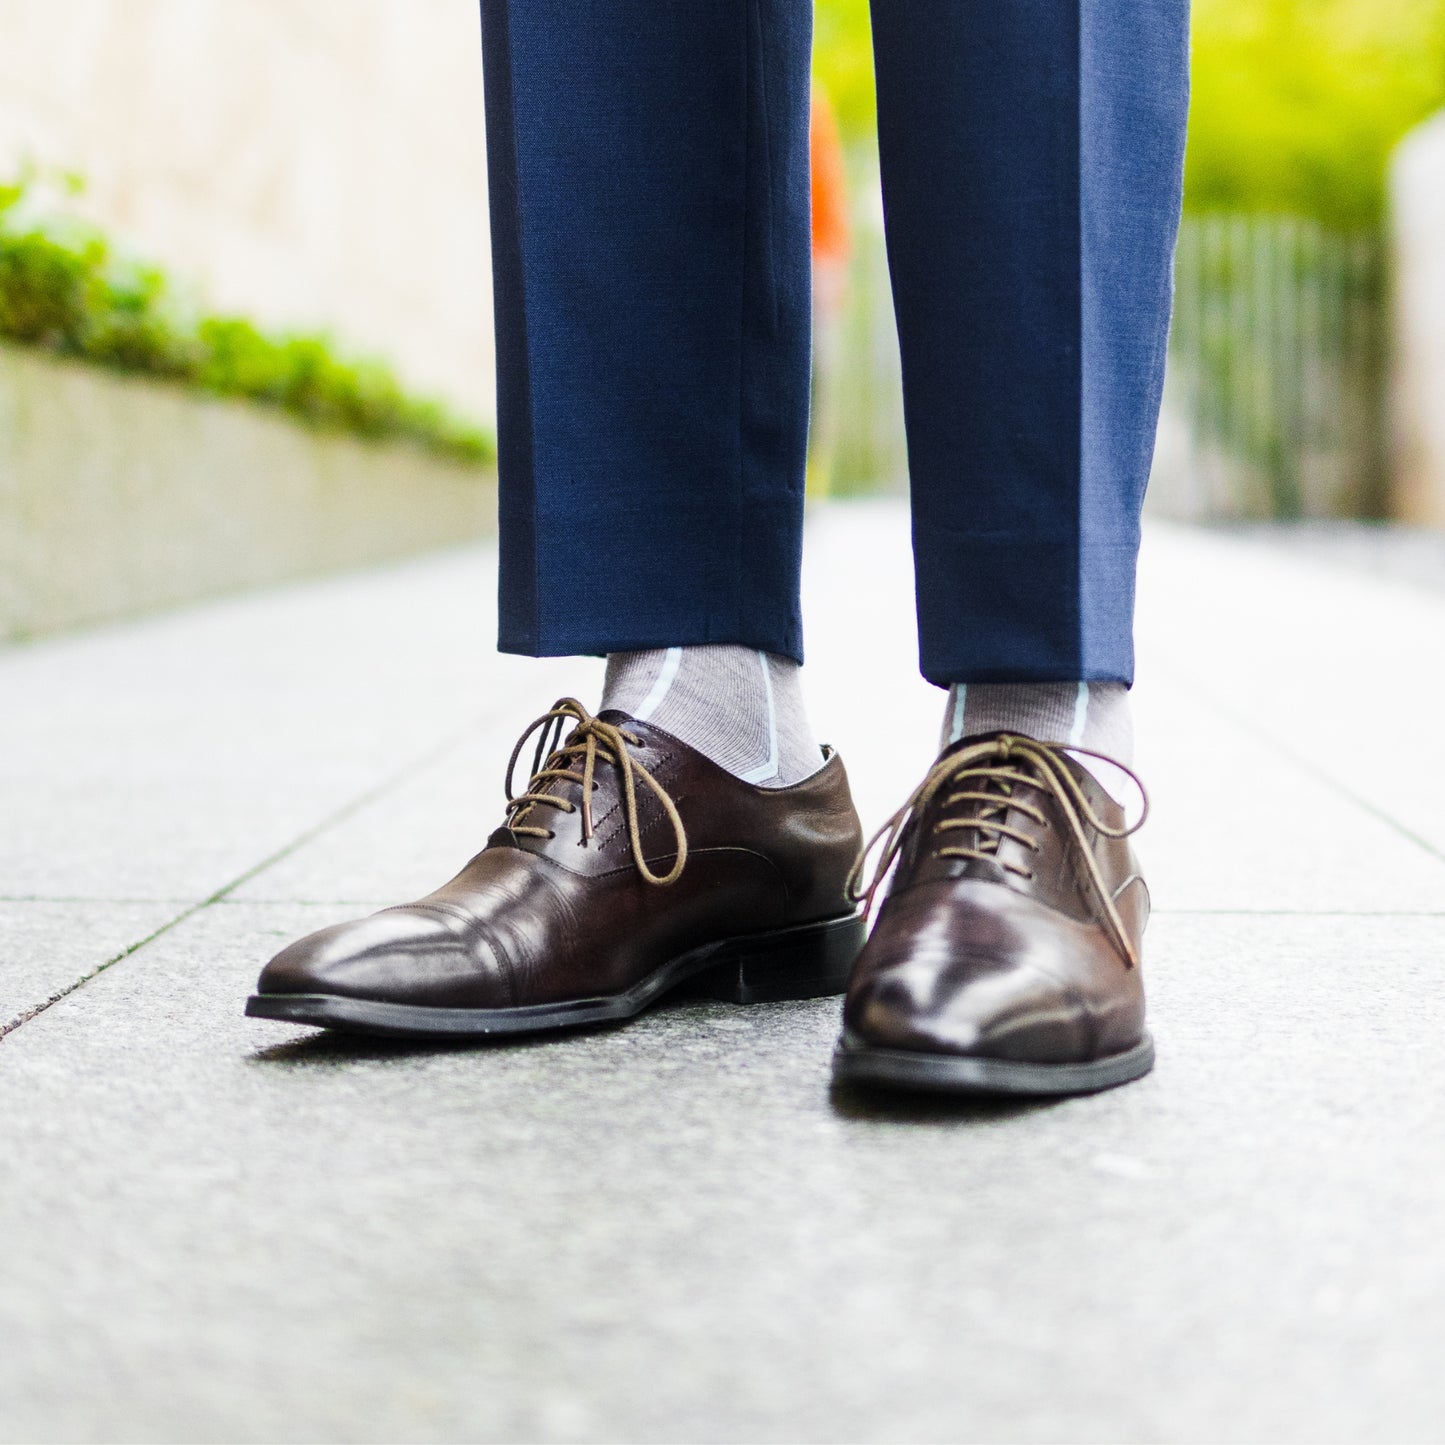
pixel 1092 715
pixel 739 707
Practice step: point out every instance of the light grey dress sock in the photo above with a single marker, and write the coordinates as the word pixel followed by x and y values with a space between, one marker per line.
pixel 739 707
pixel 1088 714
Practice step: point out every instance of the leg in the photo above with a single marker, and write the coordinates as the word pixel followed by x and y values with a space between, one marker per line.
pixel 649 189
pixel 648 167
pixel 1031 170
pixel 1031 157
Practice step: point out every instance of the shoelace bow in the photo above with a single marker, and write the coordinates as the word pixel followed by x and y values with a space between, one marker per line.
pixel 991 765
pixel 590 739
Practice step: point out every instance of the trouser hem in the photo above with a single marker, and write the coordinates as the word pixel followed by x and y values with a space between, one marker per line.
pixel 1011 609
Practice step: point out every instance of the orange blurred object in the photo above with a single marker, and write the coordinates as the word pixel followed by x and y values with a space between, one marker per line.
pixel 831 237
pixel 831 243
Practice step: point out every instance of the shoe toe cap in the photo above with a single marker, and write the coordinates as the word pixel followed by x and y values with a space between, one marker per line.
pixel 1006 1014
pixel 398 956
pixel 960 976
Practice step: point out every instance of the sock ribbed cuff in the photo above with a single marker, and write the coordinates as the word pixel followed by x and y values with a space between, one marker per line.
pixel 1092 715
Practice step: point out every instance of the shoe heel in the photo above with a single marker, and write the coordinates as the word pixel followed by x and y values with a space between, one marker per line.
pixel 807 962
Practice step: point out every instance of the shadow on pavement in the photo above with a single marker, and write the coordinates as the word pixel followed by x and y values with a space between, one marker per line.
pixel 334 1048
pixel 850 1101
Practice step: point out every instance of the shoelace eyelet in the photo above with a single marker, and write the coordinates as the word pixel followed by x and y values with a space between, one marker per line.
pixel 593 739
pixel 993 761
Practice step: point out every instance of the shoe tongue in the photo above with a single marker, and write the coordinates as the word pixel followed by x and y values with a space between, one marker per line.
pixel 555 787
pixel 973 740
pixel 985 841
pixel 618 719
pixel 1013 760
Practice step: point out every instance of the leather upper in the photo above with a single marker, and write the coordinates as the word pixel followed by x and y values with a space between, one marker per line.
pixel 1008 954
pixel 540 919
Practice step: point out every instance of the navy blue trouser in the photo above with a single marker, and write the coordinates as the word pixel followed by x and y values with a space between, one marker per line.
pixel 648 164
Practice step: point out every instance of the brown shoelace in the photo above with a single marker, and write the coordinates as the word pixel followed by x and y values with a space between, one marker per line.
pixel 589 740
pixel 990 773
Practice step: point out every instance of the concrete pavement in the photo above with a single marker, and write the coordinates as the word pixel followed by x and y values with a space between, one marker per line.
pixel 220 1229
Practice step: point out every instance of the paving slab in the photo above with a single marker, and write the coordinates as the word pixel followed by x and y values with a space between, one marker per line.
pixel 48 947
pixel 1342 670
pixel 858 604
pixel 412 837
pixel 1238 824
pixel 675 1230
pixel 155 764
pixel 164 758
pixel 1385 550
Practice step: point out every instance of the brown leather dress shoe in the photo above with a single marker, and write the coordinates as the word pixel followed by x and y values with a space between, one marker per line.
pixel 1005 959
pixel 631 867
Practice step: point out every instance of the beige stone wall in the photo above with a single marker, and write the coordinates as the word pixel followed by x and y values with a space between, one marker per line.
pixel 119 496
pixel 308 162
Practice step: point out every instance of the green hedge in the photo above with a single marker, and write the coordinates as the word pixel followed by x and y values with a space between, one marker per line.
pixel 65 288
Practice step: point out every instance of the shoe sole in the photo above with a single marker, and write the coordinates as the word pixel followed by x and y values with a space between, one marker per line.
pixel 919 1072
pixel 811 961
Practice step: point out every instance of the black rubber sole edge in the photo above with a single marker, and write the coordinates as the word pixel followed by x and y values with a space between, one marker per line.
pixel 809 961
pixel 916 1071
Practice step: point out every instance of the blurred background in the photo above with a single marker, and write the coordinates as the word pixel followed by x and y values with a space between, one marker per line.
pixel 245 326
pixel 1308 346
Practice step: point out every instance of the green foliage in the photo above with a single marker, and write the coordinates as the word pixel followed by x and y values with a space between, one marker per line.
pixel 1296 103
pixel 63 287
pixel 843 63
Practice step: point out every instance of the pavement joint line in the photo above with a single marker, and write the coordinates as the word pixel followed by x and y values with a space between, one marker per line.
pixel 1297 913
pixel 419 764
pixel 71 898
pixel 1308 765
pixel 306 902
pixel 140 902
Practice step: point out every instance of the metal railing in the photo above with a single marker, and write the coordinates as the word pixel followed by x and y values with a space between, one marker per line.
pixel 1273 402
pixel 1273 393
